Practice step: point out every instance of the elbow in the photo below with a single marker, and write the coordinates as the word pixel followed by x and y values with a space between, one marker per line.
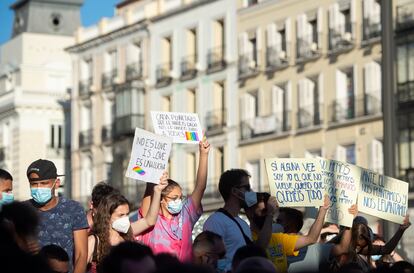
pixel 151 222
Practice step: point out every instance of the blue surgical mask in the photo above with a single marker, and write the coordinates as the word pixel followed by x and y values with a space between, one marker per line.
pixel 250 198
pixel 6 198
pixel 376 257
pixel 175 206
pixel 221 265
pixel 41 195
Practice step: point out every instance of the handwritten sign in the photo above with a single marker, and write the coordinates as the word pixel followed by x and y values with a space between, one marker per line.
pixel 181 127
pixel 149 156
pixel 383 196
pixel 341 184
pixel 295 182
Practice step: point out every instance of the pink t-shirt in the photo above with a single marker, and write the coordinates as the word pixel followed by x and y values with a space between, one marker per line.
pixel 173 235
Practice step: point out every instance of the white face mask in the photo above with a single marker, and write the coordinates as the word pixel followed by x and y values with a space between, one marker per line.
pixel 121 225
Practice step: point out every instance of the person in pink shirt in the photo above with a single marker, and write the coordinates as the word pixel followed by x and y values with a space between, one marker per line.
pixel 172 232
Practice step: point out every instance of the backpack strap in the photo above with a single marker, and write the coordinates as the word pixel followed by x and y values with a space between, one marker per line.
pixel 246 238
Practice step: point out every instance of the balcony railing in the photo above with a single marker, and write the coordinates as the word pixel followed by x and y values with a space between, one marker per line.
pixel 307 48
pixel 309 115
pixel 107 133
pixel 248 64
pixel 340 41
pixel 370 30
pixel 354 107
pixel 85 87
pixel 405 16
pixel 85 138
pixel 216 121
pixel 108 78
pixel 215 59
pixel 133 71
pixel 126 125
pixel 276 58
pixel 406 92
pixel 271 124
pixel 188 67
pixel 163 74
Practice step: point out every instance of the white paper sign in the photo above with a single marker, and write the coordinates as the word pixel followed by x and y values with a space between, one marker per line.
pixel 181 127
pixel 149 156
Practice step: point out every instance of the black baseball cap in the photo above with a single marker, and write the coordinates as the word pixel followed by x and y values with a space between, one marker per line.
pixel 45 169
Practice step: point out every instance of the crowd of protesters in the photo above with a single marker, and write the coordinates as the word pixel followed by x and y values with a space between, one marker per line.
pixel 49 233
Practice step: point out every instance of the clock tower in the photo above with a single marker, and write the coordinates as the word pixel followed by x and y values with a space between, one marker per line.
pixel 58 17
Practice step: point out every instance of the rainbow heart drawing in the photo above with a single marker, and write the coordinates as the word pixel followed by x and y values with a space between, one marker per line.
pixel 192 136
pixel 138 170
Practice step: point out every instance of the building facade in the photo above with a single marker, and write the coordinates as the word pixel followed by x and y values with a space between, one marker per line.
pixel 35 75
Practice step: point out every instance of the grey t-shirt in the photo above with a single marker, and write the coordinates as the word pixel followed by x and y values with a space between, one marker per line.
pixel 312 258
pixel 58 224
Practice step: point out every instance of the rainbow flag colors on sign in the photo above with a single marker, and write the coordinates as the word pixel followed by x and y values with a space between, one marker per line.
pixel 193 136
pixel 138 170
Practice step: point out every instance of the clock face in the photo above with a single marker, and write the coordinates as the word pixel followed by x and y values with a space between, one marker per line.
pixel 56 21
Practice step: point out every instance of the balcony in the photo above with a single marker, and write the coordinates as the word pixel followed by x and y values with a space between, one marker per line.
pixel 188 67
pixel 309 116
pixel 85 138
pixel 371 31
pixel 341 41
pixel 248 66
pixel 276 58
pixel 405 16
pixel 163 74
pixel 275 123
pixel 216 121
pixel 354 107
pixel 125 125
pixel 133 71
pixel 406 93
pixel 215 59
pixel 307 49
pixel 107 133
pixel 108 78
pixel 85 87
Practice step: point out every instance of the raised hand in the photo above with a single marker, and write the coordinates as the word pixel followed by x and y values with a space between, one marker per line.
pixel 272 205
pixel 326 202
pixel 204 146
pixel 406 224
pixel 353 210
pixel 163 182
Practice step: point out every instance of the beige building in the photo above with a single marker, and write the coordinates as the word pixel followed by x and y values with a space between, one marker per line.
pixel 309 82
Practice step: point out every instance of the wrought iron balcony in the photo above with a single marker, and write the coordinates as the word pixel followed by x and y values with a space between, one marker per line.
pixel 307 48
pixel 108 78
pixel 276 58
pixel 271 124
pixel 215 59
pixel 107 133
pixel 133 71
pixel 125 125
pixel 309 115
pixel 163 74
pixel 370 30
pixel 354 107
pixel 85 87
pixel 85 138
pixel 215 121
pixel 248 64
pixel 188 67
pixel 405 16
pixel 341 41
pixel 406 92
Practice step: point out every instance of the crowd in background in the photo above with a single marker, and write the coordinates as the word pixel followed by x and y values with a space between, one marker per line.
pixel 53 234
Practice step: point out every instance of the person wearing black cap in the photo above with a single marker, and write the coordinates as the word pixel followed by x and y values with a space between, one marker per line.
pixel 62 221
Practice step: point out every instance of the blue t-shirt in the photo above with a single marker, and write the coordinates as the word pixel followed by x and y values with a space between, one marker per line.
pixel 58 224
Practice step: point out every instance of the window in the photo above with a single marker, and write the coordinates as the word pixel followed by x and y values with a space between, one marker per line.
pixel 276 51
pixel 341 21
pixel 219 166
pixel 405 75
pixel 309 26
pixel 191 100
pixel 373 89
pixel 344 106
pixel 371 19
pixel 167 52
pixel 310 101
pixel 253 167
pixel 376 155
pixel 346 153
pixel 56 136
pixel 133 60
pixel 166 104
pixel 129 102
pixel 281 105
pixel 249 46
pixel 191 168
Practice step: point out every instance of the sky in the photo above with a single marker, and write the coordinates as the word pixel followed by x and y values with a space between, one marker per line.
pixel 91 12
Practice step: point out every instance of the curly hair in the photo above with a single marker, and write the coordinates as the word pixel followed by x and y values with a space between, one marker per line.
pixel 102 223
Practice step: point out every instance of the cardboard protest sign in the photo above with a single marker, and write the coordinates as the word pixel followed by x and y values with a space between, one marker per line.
pixel 295 182
pixel 149 156
pixel 181 127
pixel 383 196
pixel 341 184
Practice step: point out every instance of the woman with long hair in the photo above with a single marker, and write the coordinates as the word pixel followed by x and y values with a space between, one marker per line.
pixel 111 224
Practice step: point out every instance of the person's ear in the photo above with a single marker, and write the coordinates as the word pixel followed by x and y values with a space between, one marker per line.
pixel 238 193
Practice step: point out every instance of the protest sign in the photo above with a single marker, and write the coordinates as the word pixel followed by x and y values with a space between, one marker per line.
pixel 181 127
pixel 383 196
pixel 149 156
pixel 341 184
pixel 295 182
